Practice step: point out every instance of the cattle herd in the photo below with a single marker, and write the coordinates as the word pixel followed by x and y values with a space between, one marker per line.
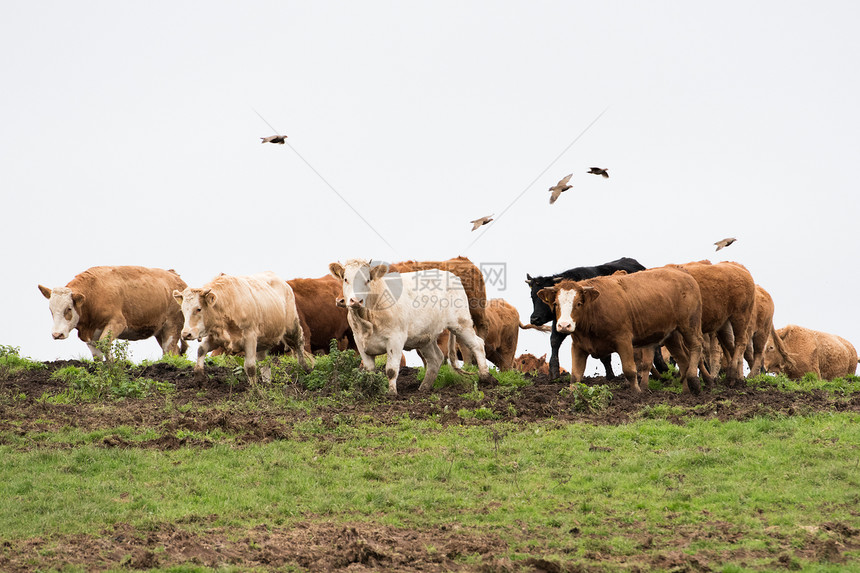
pixel 706 317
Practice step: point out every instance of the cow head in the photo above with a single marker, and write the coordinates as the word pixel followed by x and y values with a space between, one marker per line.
pixel 363 286
pixel 567 300
pixel 65 308
pixel 541 312
pixel 195 303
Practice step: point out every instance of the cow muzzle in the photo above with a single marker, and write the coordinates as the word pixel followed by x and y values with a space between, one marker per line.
pixel 59 335
pixel 186 335
pixel 339 301
pixel 565 327
pixel 356 302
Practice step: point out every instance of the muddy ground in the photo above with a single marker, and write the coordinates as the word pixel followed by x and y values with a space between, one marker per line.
pixel 321 546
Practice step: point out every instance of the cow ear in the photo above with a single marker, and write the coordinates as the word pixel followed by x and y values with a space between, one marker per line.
pixel 177 295
pixel 46 292
pixel 548 295
pixel 528 279
pixel 619 273
pixel 78 299
pixel 590 293
pixel 208 297
pixel 378 271
pixel 336 270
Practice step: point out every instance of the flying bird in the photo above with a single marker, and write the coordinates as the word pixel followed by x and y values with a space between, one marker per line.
pixel 482 221
pixel 274 139
pixel 725 243
pixel 599 171
pixel 558 188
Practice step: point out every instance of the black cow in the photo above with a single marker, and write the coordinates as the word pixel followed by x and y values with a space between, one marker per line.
pixel 543 313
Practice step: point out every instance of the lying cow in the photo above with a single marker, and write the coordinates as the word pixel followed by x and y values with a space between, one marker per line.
pixel 531 364
pixel 542 313
pixel 763 330
pixel 620 313
pixel 321 319
pixel 826 355
pixel 393 314
pixel 129 303
pixel 242 315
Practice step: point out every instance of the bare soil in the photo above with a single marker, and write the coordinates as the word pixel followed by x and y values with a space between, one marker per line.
pixel 318 545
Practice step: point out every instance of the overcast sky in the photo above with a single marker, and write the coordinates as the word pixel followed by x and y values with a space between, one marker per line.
pixel 129 137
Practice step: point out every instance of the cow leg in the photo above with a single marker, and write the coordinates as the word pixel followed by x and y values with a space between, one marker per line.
pixel 555 340
pixel 295 341
pixel 659 363
pixel 755 352
pixel 628 364
pixel 607 364
pixel 468 339
pixel 98 356
pixel 644 358
pixel 169 343
pixel 691 340
pixel 392 365
pixel 740 334
pixel 202 351
pixel 578 358
pixel 432 361
pixel 265 371
pixel 251 358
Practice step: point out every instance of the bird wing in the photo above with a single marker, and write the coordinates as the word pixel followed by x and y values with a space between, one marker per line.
pixel 555 193
pixel 564 181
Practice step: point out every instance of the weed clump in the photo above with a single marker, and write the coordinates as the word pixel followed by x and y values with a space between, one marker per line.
pixel 340 371
pixel 12 363
pixel 589 398
pixel 109 378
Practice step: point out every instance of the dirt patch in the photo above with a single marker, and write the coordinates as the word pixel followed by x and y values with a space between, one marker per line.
pixel 190 409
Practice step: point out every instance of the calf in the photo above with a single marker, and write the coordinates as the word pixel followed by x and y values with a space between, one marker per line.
pixel 242 315
pixel 129 303
pixel 622 312
pixel 503 331
pixel 390 314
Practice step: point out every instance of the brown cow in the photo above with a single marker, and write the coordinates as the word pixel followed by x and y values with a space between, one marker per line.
pixel 531 364
pixel 728 296
pixel 470 277
pixel 129 303
pixel 620 313
pixel 247 315
pixel 503 331
pixel 321 319
pixel 827 355
pixel 762 330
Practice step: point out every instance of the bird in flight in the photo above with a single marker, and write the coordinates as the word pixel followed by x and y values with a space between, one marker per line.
pixel 725 243
pixel 599 171
pixel 482 221
pixel 274 139
pixel 558 188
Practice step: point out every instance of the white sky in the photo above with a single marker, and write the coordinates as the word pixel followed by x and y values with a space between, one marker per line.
pixel 129 137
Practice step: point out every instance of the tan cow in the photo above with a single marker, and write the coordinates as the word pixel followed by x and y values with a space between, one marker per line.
pixel 620 313
pixel 503 331
pixel 129 303
pixel 243 315
pixel 762 330
pixel 728 296
pixel 471 279
pixel 827 355
pixel 321 319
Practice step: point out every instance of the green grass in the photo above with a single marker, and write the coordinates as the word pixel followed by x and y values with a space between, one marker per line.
pixel 12 363
pixel 608 483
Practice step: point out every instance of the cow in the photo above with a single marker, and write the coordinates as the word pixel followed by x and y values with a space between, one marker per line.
pixel 242 315
pixel 321 319
pixel 390 314
pixel 763 329
pixel 531 364
pixel 503 331
pixel 470 276
pixel 542 313
pixel 125 302
pixel 728 297
pixel 826 355
pixel 620 313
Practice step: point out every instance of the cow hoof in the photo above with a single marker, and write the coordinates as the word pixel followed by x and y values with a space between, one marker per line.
pixel 485 379
pixel 694 386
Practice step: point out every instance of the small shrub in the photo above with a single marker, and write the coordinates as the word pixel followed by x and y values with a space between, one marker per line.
pixel 511 378
pixel 482 413
pixel 590 398
pixel 340 371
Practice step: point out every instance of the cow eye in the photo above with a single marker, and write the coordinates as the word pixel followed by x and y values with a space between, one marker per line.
pixel 198 309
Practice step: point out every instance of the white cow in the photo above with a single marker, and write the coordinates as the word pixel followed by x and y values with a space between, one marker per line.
pixel 248 314
pixel 406 311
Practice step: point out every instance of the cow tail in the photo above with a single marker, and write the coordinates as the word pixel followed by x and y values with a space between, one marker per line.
pixel 542 327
